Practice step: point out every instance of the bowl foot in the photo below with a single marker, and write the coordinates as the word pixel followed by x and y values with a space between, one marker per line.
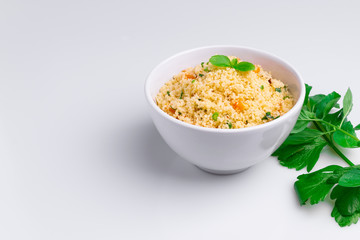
pixel 222 172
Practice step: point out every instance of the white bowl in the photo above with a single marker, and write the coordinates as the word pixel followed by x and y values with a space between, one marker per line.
pixel 224 151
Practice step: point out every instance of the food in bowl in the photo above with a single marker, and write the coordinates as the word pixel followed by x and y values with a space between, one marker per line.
pixel 225 93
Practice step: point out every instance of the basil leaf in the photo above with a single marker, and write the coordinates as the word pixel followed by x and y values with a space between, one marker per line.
pixel 234 62
pixel 244 66
pixel 220 61
pixel 350 178
pixel 357 127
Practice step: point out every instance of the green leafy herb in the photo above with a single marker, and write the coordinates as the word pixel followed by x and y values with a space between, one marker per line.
pixel 224 61
pixel 267 116
pixel 206 69
pixel 220 61
pixel 202 64
pixel 285 97
pixel 314 187
pixel 303 148
pixel 181 94
pixel 278 90
pixel 230 125
pixel 193 81
pixel 201 75
pixel 244 66
pixel 168 93
pixel 295 154
pixel 262 87
pixel 215 116
pixel 357 127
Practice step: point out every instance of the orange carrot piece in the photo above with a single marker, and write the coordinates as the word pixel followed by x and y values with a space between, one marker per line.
pixel 238 105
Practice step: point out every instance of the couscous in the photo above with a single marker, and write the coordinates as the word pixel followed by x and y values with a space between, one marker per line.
pixel 224 97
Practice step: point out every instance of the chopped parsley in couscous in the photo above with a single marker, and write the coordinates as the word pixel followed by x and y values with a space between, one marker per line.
pixel 225 93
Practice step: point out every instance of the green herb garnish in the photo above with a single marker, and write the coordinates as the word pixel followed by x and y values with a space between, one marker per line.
pixel 224 61
pixel 172 108
pixel 262 87
pixel 278 89
pixel 267 116
pixel 201 75
pixel 202 64
pixel 206 69
pixel 285 97
pixel 215 116
pixel 168 93
pixel 303 148
pixel 230 125
pixel 181 94
pixel 193 81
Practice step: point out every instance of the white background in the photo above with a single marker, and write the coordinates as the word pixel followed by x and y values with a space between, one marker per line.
pixel 79 155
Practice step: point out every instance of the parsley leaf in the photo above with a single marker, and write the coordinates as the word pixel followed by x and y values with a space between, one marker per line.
pixel 315 186
pixel 347 199
pixel 278 90
pixel 350 178
pixel 323 107
pixel 344 220
pixel 299 156
pixel 303 146
pixel 307 93
pixel 304 119
pixel 304 136
pixel 345 140
pixel 347 104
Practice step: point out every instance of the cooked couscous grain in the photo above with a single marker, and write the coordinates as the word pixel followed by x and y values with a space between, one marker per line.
pixel 222 97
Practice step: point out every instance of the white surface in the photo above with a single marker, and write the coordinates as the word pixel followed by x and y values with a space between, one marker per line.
pixel 219 150
pixel 79 156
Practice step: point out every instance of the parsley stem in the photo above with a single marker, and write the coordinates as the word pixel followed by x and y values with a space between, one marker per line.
pixel 336 150
pixel 337 128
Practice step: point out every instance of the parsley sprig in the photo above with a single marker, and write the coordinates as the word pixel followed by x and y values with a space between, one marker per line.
pixel 224 61
pixel 318 126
